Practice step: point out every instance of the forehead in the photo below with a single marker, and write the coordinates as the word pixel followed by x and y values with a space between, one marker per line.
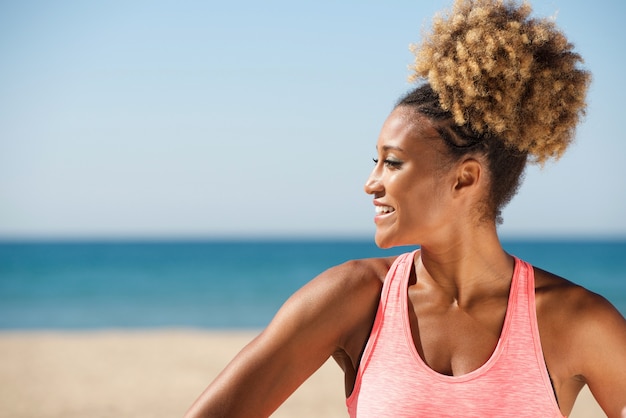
pixel 407 129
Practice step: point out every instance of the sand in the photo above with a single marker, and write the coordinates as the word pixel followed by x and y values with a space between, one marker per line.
pixel 145 374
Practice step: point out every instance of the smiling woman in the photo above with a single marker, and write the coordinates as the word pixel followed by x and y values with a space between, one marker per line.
pixel 458 327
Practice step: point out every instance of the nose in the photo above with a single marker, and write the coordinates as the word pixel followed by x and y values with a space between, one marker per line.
pixel 373 184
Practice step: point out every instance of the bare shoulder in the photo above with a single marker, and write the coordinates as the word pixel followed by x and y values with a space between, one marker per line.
pixel 345 291
pixel 348 289
pixel 571 305
pixel 358 273
pixel 573 311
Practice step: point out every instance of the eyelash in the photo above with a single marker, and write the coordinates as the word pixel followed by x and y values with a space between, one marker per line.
pixel 389 163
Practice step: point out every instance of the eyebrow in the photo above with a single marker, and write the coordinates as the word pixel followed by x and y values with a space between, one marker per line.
pixel 391 147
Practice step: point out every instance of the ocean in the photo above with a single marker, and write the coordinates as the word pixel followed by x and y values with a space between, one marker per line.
pixel 221 284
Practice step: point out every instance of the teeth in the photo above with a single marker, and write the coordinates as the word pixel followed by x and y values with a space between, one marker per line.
pixel 384 209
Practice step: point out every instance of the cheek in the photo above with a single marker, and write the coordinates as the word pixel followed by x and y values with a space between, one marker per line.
pixel 426 199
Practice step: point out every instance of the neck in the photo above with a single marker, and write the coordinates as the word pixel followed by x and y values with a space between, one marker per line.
pixel 468 266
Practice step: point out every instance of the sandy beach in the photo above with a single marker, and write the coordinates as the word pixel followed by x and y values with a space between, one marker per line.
pixel 145 374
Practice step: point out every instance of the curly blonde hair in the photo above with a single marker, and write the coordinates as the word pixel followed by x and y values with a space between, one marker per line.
pixel 505 75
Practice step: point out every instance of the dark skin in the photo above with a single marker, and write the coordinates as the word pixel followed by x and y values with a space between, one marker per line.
pixel 458 294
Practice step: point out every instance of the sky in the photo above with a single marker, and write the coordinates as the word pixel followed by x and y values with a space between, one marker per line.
pixel 203 119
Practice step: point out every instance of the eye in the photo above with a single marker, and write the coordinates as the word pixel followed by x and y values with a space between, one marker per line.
pixel 392 163
pixel 389 162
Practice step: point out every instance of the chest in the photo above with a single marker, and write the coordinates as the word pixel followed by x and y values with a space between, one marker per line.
pixel 450 339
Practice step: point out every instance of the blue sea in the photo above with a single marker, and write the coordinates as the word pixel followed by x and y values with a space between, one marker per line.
pixel 221 284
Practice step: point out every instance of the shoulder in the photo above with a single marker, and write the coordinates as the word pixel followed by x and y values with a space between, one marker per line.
pixel 567 303
pixel 575 310
pixel 347 287
pixel 342 289
pixel 366 272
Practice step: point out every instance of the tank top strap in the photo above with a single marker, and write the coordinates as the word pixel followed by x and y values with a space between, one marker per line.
pixel 525 327
pixel 397 280
pixel 389 309
pixel 521 306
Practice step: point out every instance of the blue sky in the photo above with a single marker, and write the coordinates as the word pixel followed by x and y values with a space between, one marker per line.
pixel 193 119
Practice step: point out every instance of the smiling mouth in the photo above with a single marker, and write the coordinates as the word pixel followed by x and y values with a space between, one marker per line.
pixel 383 210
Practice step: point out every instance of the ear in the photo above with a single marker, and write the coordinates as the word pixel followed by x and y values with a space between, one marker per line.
pixel 468 175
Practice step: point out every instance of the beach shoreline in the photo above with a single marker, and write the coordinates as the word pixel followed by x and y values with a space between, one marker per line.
pixel 146 373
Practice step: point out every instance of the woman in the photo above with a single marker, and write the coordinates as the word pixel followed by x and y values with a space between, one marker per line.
pixel 460 327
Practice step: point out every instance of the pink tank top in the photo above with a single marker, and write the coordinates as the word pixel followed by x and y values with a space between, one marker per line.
pixel 394 381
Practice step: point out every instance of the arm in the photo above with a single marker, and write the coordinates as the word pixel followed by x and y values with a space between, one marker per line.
pixel 603 353
pixel 583 338
pixel 306 331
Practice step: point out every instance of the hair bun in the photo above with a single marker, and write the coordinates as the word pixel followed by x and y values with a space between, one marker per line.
pixel 503 73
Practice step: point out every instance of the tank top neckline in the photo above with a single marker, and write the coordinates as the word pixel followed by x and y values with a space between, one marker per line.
pixel 504 333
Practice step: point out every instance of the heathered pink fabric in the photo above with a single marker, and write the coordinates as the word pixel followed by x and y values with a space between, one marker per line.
pixel 394 381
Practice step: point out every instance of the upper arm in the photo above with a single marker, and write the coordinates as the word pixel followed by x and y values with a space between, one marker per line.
pixel 583 339
pixel 305 332
pixel 602 348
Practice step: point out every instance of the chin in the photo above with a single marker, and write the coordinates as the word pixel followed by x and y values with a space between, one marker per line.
pixel 385 242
